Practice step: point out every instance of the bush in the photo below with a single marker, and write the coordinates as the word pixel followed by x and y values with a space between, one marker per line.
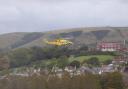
pixel 75 64
pixel 94 61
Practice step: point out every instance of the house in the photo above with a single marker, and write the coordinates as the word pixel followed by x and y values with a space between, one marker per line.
pixel 107 68
pixel 120 59
pixel 110 46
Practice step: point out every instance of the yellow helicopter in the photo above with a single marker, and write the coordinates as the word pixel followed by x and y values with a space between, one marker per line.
pixel 59 42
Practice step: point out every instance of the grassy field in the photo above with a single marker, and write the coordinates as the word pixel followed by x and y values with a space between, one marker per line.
pixel 100 57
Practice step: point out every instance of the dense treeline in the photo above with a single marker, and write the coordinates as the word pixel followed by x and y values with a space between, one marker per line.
pixel 22 57
pixel 26 56
pixel 84 81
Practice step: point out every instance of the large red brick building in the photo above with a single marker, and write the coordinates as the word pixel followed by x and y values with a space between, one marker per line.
pixel 110 46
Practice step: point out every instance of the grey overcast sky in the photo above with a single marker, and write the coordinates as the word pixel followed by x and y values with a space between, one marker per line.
pixel 43 15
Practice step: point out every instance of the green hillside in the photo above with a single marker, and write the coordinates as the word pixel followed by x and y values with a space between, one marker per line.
pixel 80 36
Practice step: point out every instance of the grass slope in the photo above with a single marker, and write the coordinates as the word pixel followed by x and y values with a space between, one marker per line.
pixel 82 58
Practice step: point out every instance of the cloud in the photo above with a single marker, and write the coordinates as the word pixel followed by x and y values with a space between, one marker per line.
pixel 42 15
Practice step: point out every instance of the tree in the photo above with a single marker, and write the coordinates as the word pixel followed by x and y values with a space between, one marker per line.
pixel 62 62
pixel 112 81
pixel 20 57
pixel 94 61
pixel 75 63
pixel 37 53
pixel 52 63
pixel 106 62
pixel 4 62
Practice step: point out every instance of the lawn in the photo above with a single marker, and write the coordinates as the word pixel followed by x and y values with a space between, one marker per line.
pixel 100 57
